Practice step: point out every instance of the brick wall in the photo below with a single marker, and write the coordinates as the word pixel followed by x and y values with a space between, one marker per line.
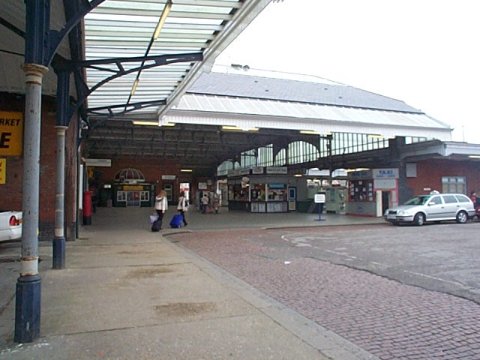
pixel 152 169
pixel 11 192
pixel 430 173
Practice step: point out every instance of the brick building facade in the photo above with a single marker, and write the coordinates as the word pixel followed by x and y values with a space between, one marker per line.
pixel 11 191
pixel 431 172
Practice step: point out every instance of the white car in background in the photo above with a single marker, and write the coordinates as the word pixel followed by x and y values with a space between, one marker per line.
pixel 433 207
pixel 10 225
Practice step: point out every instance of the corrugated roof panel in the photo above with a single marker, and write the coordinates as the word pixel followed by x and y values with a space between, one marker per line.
pixel 236 85
pixel 272 113
pixel 124 28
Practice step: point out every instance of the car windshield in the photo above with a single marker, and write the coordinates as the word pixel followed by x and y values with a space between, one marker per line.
pixel 418 200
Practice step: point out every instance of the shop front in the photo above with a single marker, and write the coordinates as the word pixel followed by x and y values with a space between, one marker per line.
pixel 371 192
pixel 261 190
pixel 133 195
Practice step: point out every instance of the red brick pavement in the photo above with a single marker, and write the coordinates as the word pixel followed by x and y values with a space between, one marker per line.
pixel 384 317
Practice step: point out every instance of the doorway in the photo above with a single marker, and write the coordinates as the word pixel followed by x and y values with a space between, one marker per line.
pixel 168 188
pixel 385 200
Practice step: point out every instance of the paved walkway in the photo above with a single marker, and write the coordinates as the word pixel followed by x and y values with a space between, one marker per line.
pixel 128 293
pixel 387 318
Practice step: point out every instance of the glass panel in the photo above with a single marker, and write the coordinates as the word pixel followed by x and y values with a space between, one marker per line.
pixel 449 199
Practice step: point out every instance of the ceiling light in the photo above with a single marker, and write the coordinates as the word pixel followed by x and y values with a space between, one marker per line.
pixel 186 170
pixel 145 123
pixel 163 18
pixel 357 169
pixel 309 132
pixel 134 87
pixel 237 128
pixel 168 124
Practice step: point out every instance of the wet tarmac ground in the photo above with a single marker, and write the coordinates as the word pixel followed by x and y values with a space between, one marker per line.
pixel 397 292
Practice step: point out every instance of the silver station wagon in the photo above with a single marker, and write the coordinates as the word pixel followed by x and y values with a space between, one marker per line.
pixel 432 207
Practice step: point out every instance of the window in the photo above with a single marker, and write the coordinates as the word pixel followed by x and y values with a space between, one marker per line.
pixel 436 200
pixel 454 184
pixel 462 198
pixel 450 199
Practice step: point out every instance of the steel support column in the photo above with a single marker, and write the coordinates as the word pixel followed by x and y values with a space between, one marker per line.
pixel 58 254
pixel 40 47
pixel 28 293
pixel 63 118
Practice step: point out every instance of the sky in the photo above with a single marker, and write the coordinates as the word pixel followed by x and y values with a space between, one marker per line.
pixel 423 52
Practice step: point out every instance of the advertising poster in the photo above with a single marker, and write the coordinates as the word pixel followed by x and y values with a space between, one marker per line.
pixel 11 133
pixel 3 171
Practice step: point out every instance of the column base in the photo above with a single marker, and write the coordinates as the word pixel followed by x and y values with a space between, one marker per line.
pixel 27 309
pixel 58 253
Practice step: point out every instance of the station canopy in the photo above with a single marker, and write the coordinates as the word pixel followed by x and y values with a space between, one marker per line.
pixel 151 64
pixel 165 44
pixel 188 107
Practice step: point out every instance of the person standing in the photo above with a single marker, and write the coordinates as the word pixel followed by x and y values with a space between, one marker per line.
pixel 204 202
pixel 216 202
pixel 182 206
pixel 161 206
pixel 474 198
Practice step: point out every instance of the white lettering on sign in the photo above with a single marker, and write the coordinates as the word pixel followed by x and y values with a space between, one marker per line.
pixel 385 173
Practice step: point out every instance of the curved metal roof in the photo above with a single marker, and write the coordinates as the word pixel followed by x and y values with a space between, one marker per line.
pixel 259 87
pixel 258 102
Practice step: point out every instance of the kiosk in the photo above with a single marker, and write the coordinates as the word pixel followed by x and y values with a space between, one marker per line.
pixel 261 190
pixel 372 191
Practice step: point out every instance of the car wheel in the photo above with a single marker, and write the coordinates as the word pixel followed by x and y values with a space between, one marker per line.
pixel 462 217
pixel 419 219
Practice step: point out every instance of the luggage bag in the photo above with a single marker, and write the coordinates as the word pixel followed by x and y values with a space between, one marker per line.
pixel 157 225
pixel 177 221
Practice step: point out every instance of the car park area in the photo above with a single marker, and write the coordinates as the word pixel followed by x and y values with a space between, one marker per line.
pixel 432 207
pixel 397 292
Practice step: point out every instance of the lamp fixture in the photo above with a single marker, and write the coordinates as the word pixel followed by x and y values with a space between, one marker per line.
pixel 134 86
pixel 357 169
pixel 152 123
pixel 309 132
pixel 145 123
pixel 237 128
pixel 163 18
pixel 168 124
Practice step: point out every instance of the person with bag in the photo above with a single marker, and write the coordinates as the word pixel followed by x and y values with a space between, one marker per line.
pixel 182 206
pixel 161 205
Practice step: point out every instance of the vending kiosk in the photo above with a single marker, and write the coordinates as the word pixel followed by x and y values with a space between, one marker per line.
pixel 371 191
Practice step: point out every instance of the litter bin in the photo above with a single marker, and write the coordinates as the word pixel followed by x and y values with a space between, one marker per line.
pixel 87 208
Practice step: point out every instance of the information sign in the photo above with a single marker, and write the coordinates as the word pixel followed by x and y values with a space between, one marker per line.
pixel 319 198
